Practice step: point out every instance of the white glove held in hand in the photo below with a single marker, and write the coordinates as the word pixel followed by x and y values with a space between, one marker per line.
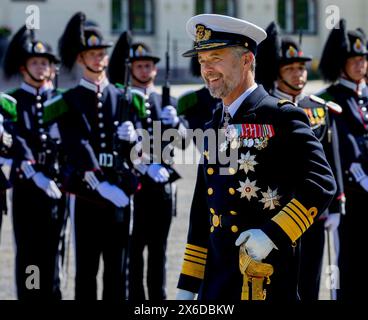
pixel 359 175
pixel 127 132
pixel 332 222
pixel 158 173
pixel 169 116
pixel 47 185
pixel 257 243
pixel 184 295
pixel 106 190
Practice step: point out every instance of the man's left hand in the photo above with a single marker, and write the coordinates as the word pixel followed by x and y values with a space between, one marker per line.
pixel 169 116
pixel 257 243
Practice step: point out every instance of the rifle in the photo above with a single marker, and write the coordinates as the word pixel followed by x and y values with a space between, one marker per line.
pixel 166 87
pixel 121 149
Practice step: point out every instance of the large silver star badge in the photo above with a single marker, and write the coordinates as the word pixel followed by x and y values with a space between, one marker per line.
pixel 248 189
pixel 270 199
pixel 247 162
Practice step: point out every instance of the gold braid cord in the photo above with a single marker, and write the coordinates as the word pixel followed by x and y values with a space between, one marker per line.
pixel 254 275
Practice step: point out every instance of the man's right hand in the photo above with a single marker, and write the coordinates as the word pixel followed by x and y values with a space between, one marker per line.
pixel 112 193
pixel 47 185
pixel 158 173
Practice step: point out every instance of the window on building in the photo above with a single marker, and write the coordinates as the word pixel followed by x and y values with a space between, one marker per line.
pixel 227 7
pixel 297 15
pixel 133 15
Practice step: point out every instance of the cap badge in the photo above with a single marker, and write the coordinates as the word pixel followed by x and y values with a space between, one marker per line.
pixel 39 48
pixel 358 46
pixel 291 52
pixel 93 41
pixel 202 33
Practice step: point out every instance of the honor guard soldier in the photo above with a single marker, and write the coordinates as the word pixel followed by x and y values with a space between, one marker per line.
pixel 151 227
pixel 7 117
pixel 346 71
pixel 281 68
pixel 38 206
pixel 269 196
pixel 197 107
pixel 98 171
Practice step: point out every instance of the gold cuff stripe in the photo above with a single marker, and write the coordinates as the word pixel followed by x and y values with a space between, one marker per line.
pixel 296 219
pixel 194 259
pixel 305 218
pixel 287 224
pixel 196 254
pixel 299 205
pixel 196 248
pixel 193 269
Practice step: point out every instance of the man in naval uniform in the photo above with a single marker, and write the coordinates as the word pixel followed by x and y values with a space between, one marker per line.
pixel 38 206
pixel 346 71
pixel 97 172
pixel 281 67
pixel 271 195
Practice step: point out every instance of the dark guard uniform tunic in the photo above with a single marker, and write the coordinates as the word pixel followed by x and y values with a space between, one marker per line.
pixel 86 116
pixel 352 127
pixel 151 225
pixel 281 183
pixel 38 220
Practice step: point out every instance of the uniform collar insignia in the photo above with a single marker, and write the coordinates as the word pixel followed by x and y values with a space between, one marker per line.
pixel 32 90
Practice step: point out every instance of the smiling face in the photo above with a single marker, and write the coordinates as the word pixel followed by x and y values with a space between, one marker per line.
pixel 223 72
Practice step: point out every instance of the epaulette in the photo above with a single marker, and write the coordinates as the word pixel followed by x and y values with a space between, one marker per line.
pixel 187 101
pixel 283 102
pixel 8 105
pixel 54 108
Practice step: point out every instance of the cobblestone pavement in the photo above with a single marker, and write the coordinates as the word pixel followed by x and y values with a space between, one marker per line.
pixel 177 236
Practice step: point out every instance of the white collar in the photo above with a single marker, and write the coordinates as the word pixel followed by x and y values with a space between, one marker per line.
pixel 358 88
pixel 146 91
pixel 283 95
pixel 233 107
pixel 36 91
pixel 93 86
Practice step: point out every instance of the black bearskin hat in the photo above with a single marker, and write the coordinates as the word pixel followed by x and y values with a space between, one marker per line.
pixel 121 52
pixel 23 46
pixel 341 45
pixel 79 35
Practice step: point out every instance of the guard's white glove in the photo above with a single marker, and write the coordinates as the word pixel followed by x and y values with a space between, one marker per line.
pixel 158 173
pixel 6 139
pixel 169 116
pixel 127 132
pixel 107 190
pixel 332 222
pixel 185 295
pixel 359 175
pixel 47 185
pixel 257 243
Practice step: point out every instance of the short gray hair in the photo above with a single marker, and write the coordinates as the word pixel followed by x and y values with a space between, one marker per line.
pixel 239 51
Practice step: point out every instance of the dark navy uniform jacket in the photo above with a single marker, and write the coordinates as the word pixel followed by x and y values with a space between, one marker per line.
pixel 281 183
pixel 352 127
pixel 36 141
pixel 86 116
